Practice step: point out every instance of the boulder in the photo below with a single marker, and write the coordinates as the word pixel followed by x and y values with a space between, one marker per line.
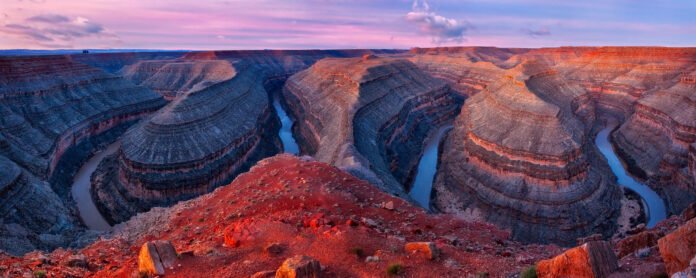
pixel 678 247
pixel 77 261
pixel 426 248
pixel 636 242
pixel 299 266
pixel 592 259
pixel 156 256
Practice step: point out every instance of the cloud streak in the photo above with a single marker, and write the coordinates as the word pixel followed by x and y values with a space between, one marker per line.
pixel 440 28
pixel 534 33
pixel 55 30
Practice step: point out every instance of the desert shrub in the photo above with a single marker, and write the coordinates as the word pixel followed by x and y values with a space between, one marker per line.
pixel 357 251
pixel 394 269
pixel 529 272
pixel 40 274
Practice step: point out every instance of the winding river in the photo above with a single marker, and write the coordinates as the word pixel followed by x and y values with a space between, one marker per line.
pixel 427 167
pixel 289 143
pixel 652 202
pixel 80 191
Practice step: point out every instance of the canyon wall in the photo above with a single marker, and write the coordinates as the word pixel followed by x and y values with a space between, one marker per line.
pixel 526 135
pixel 218 124
pixel 520 157
pixel 54 112
pixel 368 115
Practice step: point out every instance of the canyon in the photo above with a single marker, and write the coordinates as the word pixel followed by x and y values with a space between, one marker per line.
pixel 515 150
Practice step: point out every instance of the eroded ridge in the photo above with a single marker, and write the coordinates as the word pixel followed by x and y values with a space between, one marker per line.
pixel 369 115
pixel 520 157
pixel 54 112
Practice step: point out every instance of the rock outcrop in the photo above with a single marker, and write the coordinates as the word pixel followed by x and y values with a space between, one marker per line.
pixel 592 259
pixel 656 139
pixel 299 267
pixel 520 154
pixel 679 247
pixel 369 116
pixel 156 257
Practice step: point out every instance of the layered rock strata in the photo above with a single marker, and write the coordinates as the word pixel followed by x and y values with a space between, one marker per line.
pixel 174 77
pixel 219 122
pixel 368 115
pixel 655 142
pixel 199 141
pixel 520 156
pixel 32 216
pixel 52 108
pixel 54 112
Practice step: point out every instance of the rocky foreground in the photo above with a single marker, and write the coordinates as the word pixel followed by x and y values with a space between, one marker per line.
pixel 302 216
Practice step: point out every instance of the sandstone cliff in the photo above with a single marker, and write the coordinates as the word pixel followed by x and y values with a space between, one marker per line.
pixel 368 115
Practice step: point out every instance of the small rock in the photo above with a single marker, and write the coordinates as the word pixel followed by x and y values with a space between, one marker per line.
pixel 594 237
pixel 274 248
pixel 678 247
pixel 426 248
pixel 264 274
pixel 299 266
pixel 372 259
pixel 592 259
pixel 156 256
pixel 77 261
pixel 643 253
pixel 389 205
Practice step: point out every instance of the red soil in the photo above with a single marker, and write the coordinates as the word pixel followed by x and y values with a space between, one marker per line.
pixel 306 208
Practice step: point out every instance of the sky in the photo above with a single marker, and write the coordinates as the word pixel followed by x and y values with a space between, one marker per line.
pixel 332 24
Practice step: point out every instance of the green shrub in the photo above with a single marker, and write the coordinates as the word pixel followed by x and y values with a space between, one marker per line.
pixel 394 269
pixel 482 275
pixel 529 272
pixel 40 274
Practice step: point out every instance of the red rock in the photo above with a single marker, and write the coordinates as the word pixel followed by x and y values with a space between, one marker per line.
pixel 592 259
pixel 428 249
pixel 299 267
pixel 678 247
pixel 689 212
pixel 264 274
pixel 636 242
pixel 156 256
pixel 274 248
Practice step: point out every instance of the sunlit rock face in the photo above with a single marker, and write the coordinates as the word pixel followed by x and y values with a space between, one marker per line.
pixel 175 77
pixel 525 135
pixel 522 159
pixel 369 115
pixel 656 141
pixel 218 124
pixel 53 113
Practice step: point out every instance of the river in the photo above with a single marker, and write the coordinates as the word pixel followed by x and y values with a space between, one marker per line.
pixel 427 167
pixel 654 205
pixel 289 143
pixel 80 191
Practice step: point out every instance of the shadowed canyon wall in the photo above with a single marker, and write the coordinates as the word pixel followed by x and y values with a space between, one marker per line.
pixel 54 112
